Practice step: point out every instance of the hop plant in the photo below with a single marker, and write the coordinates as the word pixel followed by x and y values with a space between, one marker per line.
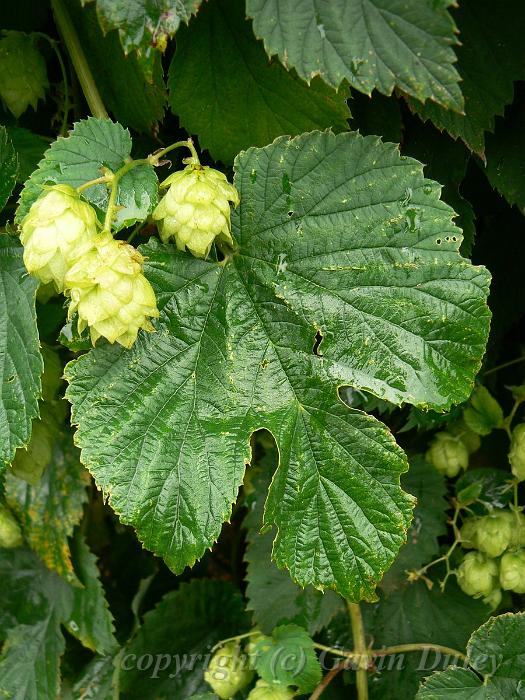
pixel 10 533
pixel 58 231
pixel 271 691
pixel 517 452
pixel 196 209
pixel 469 533
pixel 228 672
pixel 494 533
pixel 23 76
pixel 478 575
pixel 493 600
pixel 110 293
pixel 512 571
pixel 468 437
pixel 447 454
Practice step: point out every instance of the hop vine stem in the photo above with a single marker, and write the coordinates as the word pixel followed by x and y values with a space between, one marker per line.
pixel 78 58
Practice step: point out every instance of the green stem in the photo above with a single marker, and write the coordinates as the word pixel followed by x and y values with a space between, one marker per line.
pixel 188 143
pixel 78 58
pixel 237 638
pixel 388 651
pixel 110 212
pixel 96 181
pixel 504 365
pixel 358 633
pixel 66 107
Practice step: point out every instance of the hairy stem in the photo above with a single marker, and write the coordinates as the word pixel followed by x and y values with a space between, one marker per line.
pixel 358 633
pixel 78 58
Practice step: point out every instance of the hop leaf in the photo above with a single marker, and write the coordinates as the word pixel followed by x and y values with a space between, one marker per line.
pixel 10 533
pixel 227 672
pixel 58 230
pixel 448 454
pixel 512 571
pixel 271 691
pixel 110 293
pixel 478 575
pixel 517 452
pixel 483 413
pixel 196 209
pixel 23 77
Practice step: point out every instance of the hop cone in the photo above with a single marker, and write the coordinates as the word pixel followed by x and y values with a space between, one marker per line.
pixel 270 691
pixel 512 571
pixel 58 230
pixel 517 452
pixel 110 293
pixel 227 672
pixel 478 575
pixel 196 209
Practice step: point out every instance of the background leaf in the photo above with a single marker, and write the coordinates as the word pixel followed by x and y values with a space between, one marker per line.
pixel 224 89
pixel 179 633
pixel 376 44
pixel 92 144
pixel 490 58
pixel 145 25
pixel 19 349
pixel 8 166
pixel 29 147
pixel 49 509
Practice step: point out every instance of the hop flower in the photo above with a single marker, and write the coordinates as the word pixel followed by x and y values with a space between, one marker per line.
pixel 478 575
pixel 517 452
pixel 512 571
pixel 494 532
pixel 58 230
pixel 448 454
pixel 493 600
pixel 468 437
pixel 228 672
pixel 196 209
pixel 10 533
pixel 110 293
pixel 271 691
pixel 469 534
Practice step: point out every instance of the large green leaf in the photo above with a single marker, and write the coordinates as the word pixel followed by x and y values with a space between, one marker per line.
pixel 490 58
pixel 178 636
pixel 20 360
pixel 375 44
pixel 8 166
pixel 224 89
pixel 49 509
pixel 337 235
pixel 29 148
pixel 135 99
pixel 145 25
pixel 91 145
pixel 496 655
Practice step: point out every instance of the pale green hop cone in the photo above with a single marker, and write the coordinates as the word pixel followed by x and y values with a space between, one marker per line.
pixel 228 672
pixel 110 293
pixel 59 230
pixel 271 691
pixel 478 575
pixel 512 571
pixel 517 452
pixel 196 209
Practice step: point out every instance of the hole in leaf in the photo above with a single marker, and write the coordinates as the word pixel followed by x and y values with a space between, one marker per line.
pixel 317 343
pixel 438 241
pixel 290 213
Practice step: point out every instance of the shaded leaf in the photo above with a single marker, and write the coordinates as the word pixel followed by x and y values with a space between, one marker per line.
pixel 49 509
pixel 29 147
pixel 179 634
pixel 376 44
pixel 429 522
pixel 490 58
pixel 8 166
pixel 97 680
pixel 91 620
pixel 91 145
pixel 337 235
pixel 20 357
pixel 224 89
